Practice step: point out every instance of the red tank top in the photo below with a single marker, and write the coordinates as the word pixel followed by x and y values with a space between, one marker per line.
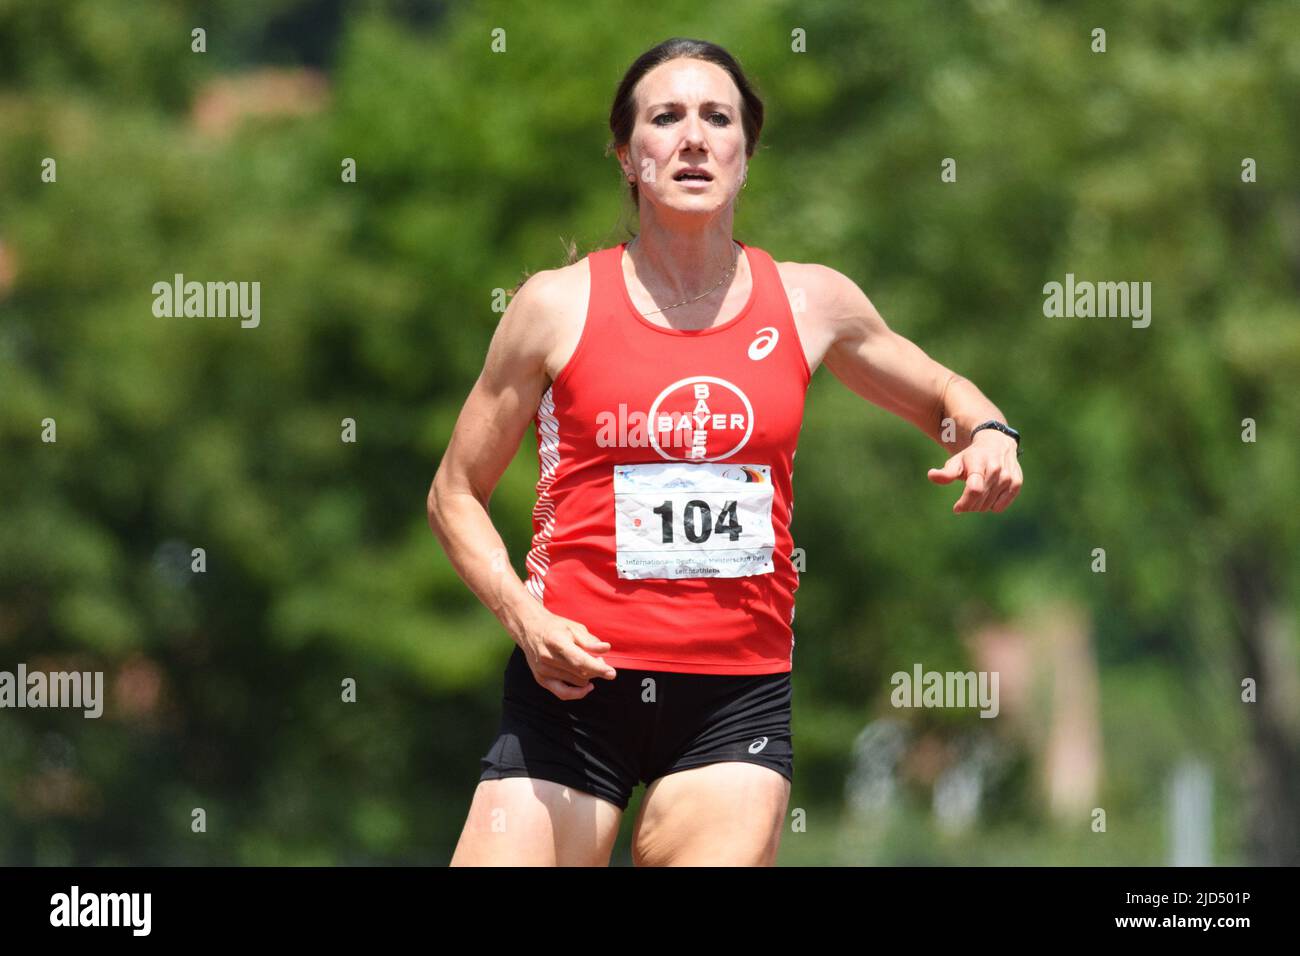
pixel 664 497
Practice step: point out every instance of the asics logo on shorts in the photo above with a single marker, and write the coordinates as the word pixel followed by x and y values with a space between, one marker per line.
pixel 762 346
pixel 758 745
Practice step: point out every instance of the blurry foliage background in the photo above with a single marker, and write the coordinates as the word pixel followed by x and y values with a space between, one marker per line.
pixel 224 687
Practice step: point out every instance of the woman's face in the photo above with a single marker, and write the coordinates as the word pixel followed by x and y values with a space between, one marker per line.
pixel 688 117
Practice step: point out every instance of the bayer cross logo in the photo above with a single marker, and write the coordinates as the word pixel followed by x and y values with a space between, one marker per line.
pixel 701 418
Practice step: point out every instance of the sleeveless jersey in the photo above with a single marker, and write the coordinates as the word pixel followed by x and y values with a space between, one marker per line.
pixel 664 494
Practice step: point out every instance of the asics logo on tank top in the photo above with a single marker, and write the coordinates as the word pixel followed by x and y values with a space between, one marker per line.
pixel 762 346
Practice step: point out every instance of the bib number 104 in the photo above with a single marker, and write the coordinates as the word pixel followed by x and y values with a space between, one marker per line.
pixel 698 523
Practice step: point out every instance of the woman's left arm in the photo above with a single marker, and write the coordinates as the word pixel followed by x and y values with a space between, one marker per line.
pixel 894 373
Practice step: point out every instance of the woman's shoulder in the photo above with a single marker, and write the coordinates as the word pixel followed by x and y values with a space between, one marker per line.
pixel 806 275
pixel 825 302
pixel 819 286
pixel 560 288
pixel 551 308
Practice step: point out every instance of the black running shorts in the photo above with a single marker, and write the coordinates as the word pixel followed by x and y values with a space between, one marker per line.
pixel 639 727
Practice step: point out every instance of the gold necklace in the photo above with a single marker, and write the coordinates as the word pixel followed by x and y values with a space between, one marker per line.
pixel 702 295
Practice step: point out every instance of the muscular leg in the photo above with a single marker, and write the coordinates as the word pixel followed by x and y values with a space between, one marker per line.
pixel 724 814
pixel 522 821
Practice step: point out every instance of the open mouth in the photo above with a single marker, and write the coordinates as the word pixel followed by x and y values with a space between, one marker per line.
pixel 688 176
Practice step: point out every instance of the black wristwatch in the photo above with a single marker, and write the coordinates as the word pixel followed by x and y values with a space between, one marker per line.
pixel 1000 426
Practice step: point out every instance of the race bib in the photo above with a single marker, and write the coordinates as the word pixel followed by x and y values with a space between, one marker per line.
pixel 693 520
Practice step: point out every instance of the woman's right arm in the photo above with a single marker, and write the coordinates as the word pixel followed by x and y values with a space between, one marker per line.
pixel 502 403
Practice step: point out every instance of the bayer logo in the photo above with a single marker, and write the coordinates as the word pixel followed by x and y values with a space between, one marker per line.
pixel 702 418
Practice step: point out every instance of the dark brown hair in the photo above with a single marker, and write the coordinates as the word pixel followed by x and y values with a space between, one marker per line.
pixel 622 115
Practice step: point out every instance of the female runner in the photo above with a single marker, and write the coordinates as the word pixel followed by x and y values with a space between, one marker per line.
pixel 666 378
